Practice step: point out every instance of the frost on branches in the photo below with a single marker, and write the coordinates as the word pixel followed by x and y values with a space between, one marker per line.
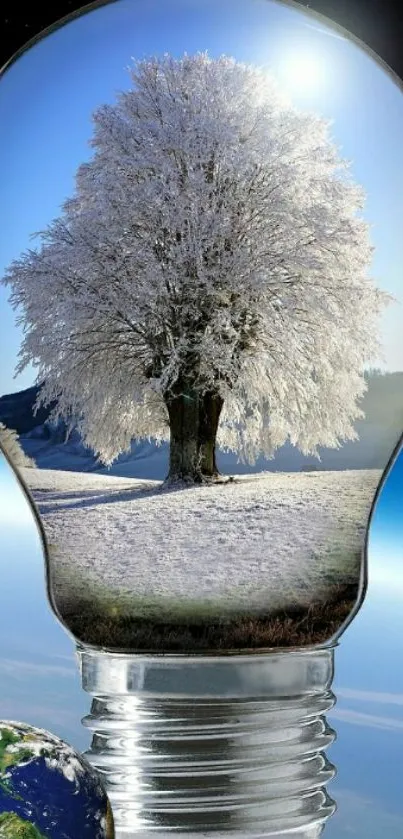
pixel 208 281
pixel 10 444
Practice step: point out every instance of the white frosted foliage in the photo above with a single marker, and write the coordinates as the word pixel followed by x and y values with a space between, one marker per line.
pixel 214 229
pixel 10 443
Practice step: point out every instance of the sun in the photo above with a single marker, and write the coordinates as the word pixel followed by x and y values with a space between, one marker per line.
pixel 302 72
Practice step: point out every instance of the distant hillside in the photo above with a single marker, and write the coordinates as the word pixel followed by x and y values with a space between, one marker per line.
pixel 16 410
pixel 47 444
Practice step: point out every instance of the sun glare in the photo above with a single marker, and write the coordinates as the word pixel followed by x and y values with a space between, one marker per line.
pixel 302 72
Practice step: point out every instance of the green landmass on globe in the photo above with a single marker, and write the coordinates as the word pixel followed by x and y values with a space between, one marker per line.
pixel 13 827
pixel 19 754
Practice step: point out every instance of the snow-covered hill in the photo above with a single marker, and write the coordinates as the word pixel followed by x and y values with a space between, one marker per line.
pixel 260 542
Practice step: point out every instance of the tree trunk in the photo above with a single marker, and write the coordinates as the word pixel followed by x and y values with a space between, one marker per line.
pixel 193 422
pixel 210 407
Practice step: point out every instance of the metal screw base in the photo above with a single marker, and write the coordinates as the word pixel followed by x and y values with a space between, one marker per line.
pixel 228 746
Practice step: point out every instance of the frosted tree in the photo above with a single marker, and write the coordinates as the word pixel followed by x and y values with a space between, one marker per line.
pixel 208 281
pixel 10 444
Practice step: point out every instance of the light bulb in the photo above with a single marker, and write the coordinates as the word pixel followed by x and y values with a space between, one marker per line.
pixel 207 293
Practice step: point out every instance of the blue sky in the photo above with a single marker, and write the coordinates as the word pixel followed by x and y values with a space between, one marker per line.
pixel 48 95
pixel 387 534
pixel 38 674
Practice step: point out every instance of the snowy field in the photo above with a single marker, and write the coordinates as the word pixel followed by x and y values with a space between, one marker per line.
pixel 264 540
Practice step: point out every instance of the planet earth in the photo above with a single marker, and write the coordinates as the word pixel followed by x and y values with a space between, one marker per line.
pixel 47 790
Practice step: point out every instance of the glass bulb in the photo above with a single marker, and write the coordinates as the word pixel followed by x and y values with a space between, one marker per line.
pixel 218 394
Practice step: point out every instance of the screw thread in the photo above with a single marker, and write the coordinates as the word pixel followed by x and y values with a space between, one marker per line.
pixel 224 747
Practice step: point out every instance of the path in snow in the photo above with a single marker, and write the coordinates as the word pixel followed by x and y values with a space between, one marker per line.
pixel 264 540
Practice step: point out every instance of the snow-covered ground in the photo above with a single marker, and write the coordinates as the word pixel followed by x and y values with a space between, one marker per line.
pixel 266 539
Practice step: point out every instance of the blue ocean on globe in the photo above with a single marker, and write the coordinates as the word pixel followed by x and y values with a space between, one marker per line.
pixel 47 789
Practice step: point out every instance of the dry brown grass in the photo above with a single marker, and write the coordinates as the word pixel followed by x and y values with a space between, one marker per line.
pixel 296 627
